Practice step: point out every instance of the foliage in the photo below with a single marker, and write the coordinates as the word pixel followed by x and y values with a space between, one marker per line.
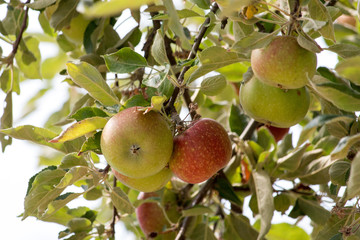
pixel 187 56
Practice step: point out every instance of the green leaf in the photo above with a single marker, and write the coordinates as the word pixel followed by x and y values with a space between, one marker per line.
pixel 204 4
pixel 10 80
pixel 196 211
pixel 72 160
pixel 292 161
pixel 238 227
pixel 92 144
pixel 225 189
pixel 202 232
pixel 253 41
pixel 312 209
pixel 331 228
pixel 345 50
pixel 319 12
pixel 308 43
pixel 237 120
pixel 63 14
pixel 81 128
pixel 88 112
pixel 158 50
pixel 137 100
pixel 344 145
pixel 58 204
pixel 52 66
pixel 40 4
pixel 121 201
pixel 339 172
pixel 212 86
pixel 28 58
pixel 353 184
pixel 265 200
pixel 175 25
pixel 42 136
pixel 350 69
pixel 282 203
pixel 124 61
pixel 317 172
pixel 89 78
pixel 113 7
pixel 213 58
pixel 6 121
pixel 286 231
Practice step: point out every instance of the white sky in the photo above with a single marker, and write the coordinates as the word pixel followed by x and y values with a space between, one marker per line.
pixel 20 161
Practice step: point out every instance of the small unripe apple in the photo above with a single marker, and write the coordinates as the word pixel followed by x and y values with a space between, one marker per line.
pixel 278 133
pixel 274 106
pixel 147 184
pixel 200 151
pixel 346 20
pixel 284 63
pixel 137 144
pixel 76 29
pixel 150 216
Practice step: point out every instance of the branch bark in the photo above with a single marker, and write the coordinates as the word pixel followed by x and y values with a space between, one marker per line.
pixel 170 106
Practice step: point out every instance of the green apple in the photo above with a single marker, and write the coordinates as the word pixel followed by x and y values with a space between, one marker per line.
pixel 284 63
pixel 274 106
pixel 137 144
pixel 147 184
pixel 151 217
pixel 200 151
pixel 76 29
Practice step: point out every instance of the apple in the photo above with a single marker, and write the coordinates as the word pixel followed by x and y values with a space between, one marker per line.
pixel 137 144
pixel 278 133
pixel 76 29
pixel 284 63
pixel 200 151
pixel 274 106
pixel 150 216
pixel 147 184
pixel 346 20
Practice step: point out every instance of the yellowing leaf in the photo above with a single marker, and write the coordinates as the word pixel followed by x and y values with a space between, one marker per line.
pixel 251 10
pixel 113 7
pixel 81 128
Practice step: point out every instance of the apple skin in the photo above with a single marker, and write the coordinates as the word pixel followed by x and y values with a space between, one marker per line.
pixel 274 106
pixel 278 133
pixel 284 63
pixel 146 184
pixel 200 151
pixel 150 216
pixel 135 144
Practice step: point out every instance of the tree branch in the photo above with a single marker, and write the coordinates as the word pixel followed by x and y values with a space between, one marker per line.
pixel 10 59
pixel 245 135
pixel 170 106
pixel 115 215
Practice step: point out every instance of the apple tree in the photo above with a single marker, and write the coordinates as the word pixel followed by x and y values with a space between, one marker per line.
pixel 178 124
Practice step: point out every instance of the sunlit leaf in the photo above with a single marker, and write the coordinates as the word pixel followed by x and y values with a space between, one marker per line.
pixel 319 12
pixel 42 136
pixel 196 210
pixel 212 86
pixel 291 162
pixel 6 121
pixel 345 50
pixel 88 77
pixel 238 227
pixel 354 178
pixel 121 201
pixel 265 200
pixel 342 149
pixel 29 58
pixel 202 232
pixel 350 69
pixel 158 50
pixel 113 7
pixel 124 61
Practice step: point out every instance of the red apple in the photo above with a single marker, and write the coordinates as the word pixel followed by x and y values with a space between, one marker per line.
pixel 150 216
pixel 200 151
pixel 278 133
pixel 137 144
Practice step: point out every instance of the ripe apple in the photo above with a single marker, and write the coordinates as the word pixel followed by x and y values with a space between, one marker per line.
pixel 284 63
pixel 346 20
pixel 274 106
pixel 135 144
pixel 147 184
pixel 76 29
pixel 278 133
pixel 150 216
pixel 200 151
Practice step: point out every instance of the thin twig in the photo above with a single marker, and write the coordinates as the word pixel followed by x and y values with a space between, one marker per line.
pixel 246 135
pixel 114 217
pixel 170 106
pixel 10 58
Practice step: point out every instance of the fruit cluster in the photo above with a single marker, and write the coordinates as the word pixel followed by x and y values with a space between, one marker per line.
pixel 276 95
pixel 144 155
